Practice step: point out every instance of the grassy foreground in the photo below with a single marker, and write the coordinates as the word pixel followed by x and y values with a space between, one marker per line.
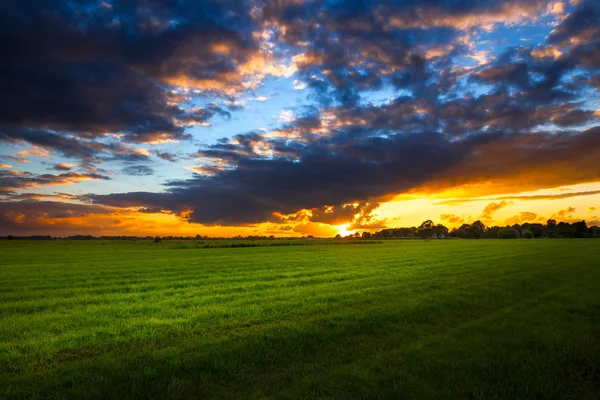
pixel 456 319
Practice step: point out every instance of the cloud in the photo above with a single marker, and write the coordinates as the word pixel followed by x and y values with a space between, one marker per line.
pixel 32 217
pixel 15 158
pixel 521 162
pixel 557 8
pixel 299 177
pixel 564 214
pixel 267 175
pixel 346 49
pixel 453 219
pixel 13 180
pixel 130 69
pixel 523 197
pixel 138 170
pixel 523 217
pixel 357 215
pixel 166 156
pixel 579 35
pixel 62 167
pixel 491 208
pixel 69 146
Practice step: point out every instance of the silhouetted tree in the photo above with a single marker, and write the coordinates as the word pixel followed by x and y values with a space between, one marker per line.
pixel 477 229
pixel 580 227
pixel 527 234
pixel 492 232
pixel 536 229
pixel 565 229
pixel 518 228
pixel 464 231
pixel 440 231
pixel 508 233
pixel 551 229
pixel 426 229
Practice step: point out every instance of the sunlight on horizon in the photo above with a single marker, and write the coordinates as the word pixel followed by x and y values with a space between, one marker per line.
pixel 343 230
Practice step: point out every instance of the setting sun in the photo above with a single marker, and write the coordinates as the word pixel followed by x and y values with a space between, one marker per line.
pixel 343 230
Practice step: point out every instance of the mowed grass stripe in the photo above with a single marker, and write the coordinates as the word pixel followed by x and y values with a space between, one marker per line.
pixel 96 310
pixel 394 303
pixel 111 281
pixel 233 327
pixel 207 294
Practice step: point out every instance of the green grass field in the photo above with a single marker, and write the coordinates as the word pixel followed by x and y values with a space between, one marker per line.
pixel 455 319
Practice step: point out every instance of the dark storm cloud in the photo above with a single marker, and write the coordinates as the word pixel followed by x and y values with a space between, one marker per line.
pixel 303 177
pixel 346 166
pixel 108 67
pixel 138 170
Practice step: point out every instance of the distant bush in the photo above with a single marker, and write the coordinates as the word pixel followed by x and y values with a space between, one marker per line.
pixel 508 233
pixel 527 234
pixel 157 239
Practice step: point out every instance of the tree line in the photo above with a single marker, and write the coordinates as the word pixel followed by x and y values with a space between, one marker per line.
pixel 478 230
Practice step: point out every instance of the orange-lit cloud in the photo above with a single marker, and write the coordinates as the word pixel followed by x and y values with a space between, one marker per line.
pixel 524 216
pixel 63 167
pixel 507 12
pixel 491 208
pixel 564 215
pixel 452 219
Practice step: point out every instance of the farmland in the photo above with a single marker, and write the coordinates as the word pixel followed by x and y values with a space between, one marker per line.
pixel 423 319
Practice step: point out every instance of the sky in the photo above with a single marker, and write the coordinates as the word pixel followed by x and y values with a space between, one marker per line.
pixel 293 118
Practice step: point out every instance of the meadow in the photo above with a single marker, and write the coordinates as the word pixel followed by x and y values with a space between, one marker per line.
pixel 421 319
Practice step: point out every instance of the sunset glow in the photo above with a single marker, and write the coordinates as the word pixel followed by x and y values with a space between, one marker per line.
pixel 343 230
